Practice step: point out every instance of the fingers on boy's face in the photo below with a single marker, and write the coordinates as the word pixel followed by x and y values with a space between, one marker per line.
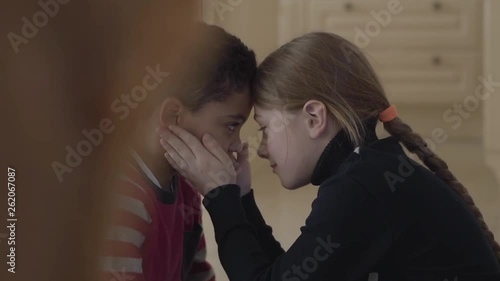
pixel 233 158
pixel 162 132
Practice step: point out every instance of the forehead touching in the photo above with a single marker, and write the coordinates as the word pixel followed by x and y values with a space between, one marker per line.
pixel 262 113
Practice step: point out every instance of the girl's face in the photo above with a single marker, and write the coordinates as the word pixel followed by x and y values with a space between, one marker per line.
pixel 294 141
pixel 286 144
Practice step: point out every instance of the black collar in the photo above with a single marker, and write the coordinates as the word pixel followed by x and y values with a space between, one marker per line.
pixel 337 150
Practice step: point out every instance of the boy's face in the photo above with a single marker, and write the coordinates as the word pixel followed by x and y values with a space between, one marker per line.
pixel 223 120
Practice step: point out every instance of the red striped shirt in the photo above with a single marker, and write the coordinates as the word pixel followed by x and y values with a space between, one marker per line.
pixel 149 240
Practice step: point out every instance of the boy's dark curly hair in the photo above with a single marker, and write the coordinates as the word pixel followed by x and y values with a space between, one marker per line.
pixel 215 67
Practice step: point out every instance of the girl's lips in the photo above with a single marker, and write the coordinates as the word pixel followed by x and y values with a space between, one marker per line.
pixel 273 166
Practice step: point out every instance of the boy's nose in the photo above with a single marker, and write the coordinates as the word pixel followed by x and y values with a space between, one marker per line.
pixel 235 146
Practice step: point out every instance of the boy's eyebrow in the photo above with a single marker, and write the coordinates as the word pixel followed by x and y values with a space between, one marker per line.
pixel 237 116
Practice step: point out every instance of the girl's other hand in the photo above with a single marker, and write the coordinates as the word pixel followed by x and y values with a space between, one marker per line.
pixel 243 171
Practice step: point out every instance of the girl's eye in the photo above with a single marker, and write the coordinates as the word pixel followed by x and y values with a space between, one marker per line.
pixel 262 133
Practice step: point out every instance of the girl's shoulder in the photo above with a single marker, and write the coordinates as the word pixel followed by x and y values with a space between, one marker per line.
pixel 345 207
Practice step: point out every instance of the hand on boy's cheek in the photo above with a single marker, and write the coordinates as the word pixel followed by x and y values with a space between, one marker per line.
pixel 239 159
pixel 204 164
pixel 162 132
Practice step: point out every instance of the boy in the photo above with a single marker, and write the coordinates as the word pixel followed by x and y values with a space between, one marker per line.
pixel 156 232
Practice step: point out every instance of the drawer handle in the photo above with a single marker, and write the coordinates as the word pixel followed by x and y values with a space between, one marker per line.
pixel 436 60
pixel 348 6
pixel 437 6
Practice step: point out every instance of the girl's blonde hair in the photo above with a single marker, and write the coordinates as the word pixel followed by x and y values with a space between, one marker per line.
pixel 326 67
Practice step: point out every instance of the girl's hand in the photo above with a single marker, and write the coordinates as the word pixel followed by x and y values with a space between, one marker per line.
pixel 243 171
pixel 206 166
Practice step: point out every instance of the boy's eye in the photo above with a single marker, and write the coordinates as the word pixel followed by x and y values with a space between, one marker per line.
pixel 233 126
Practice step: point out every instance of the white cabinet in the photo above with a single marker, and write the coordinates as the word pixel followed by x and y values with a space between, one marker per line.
pixel 426 76
pixel 425 51
pixel 404 23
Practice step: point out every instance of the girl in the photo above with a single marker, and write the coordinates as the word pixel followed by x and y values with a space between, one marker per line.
pixel 378 215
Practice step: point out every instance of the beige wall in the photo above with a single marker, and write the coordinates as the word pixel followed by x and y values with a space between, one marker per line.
pixel 254 21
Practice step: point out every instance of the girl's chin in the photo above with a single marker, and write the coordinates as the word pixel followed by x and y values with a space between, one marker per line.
pixel 289 185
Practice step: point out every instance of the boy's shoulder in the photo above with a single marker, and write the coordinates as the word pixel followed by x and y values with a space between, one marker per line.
pixel 130 184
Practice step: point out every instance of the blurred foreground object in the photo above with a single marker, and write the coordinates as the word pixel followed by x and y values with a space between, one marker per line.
pixel 64 63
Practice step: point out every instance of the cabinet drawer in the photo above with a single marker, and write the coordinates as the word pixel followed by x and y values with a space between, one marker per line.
pixel 422 23
pixel 426 77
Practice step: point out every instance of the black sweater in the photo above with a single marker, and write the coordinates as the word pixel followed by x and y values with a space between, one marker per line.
pixel 378 216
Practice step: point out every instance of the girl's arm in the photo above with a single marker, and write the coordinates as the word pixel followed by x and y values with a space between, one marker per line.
pixel 345 236
pixel 265 237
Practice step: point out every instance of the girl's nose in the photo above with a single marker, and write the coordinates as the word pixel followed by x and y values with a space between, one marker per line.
pixel 262 151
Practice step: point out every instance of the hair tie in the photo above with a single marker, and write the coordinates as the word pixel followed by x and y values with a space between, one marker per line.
pixel 388 114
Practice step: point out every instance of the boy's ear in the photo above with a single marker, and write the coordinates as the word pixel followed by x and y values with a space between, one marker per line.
pixel 316 116
pixel 170 110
